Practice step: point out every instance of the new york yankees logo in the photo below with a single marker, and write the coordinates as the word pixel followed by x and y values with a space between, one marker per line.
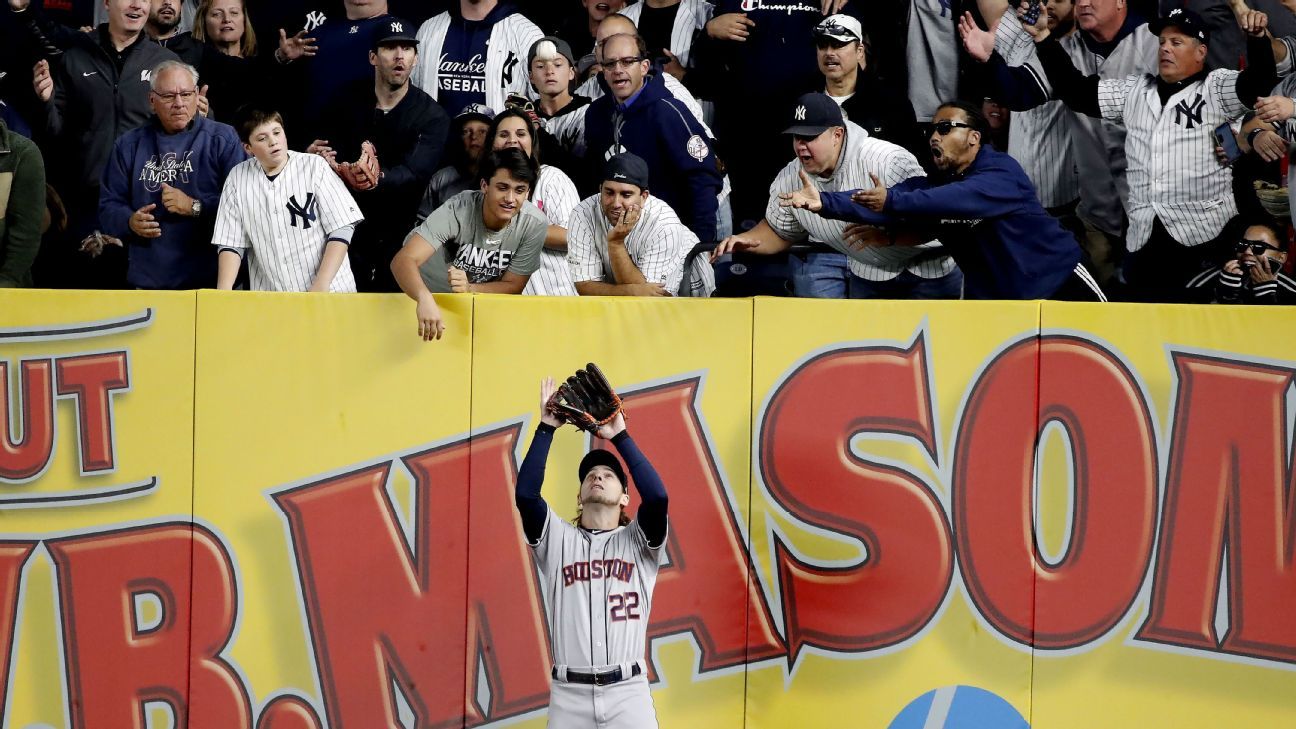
pixel 307 212
pixel 508 68
pixel 397 28
pixel 799 114
pixel 314 20
pixel 1189 115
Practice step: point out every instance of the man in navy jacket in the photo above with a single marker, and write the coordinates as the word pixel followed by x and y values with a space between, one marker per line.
pixel 984 210
pixel 163 183
pixel 640 116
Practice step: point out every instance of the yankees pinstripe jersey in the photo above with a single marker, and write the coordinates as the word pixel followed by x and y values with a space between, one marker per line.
pixel 658 244
pixel 1040 138
pixel 1098 144
pixel 690 17
pixel 284 223
pixel 862 156
pixel 556 196
pixel 506 72
pixel 580 572
pixel 1287 87
pixel 1173 174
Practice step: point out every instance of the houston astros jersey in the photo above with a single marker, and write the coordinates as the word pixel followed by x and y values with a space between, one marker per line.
pixel 599 587
pixel 285 221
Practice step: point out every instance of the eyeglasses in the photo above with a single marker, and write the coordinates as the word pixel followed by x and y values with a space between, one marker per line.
pixel 185 96
pixel 1257 247
pixel 945 127
pixel 622 63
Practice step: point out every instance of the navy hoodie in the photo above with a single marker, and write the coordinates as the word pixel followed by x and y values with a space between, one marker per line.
pixel 682 167
pixel 195 161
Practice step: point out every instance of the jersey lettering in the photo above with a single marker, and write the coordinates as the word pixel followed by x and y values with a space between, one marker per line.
pixel 599 569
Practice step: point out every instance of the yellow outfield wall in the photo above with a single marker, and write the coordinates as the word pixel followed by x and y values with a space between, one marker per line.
pixel 286 511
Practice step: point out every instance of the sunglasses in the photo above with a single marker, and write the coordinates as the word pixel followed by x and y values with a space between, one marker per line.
pixel 1257 247
pixel 945 127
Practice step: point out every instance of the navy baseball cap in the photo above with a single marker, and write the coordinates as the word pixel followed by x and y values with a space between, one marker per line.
pixel 394 30
pixel 628 168
pixel 602 458
pixel 476 112
pixel 1188 23
pixel 813 114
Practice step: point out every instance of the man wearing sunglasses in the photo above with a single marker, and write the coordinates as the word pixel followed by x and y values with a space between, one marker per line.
pixel 1254 274
pixel 982 206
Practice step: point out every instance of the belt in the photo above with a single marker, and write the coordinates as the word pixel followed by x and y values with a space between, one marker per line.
pixel 605 678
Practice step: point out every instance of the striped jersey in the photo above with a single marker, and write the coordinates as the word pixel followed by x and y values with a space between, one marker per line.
pixel 599 589
pixel 283 224
pixel 556 196
pixel 1173 173
pixel 861 157
pixel 658 244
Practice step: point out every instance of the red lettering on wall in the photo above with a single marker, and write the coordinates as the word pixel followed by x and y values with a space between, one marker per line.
pixel 1230 485
pixel 27 457
pixel 807 463
pixel 13 555
pixel 380 611
pixel 288 712
pixel 505 608
pixel 92 379
pixel 1097 401
pixel 115 663
pixel 707 589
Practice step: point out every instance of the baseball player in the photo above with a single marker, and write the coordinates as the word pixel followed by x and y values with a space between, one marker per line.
pixel 626 242
pixel 598 575
pixel 288 212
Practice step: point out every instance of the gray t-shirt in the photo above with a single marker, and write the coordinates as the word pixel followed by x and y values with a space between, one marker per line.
pixel 461 239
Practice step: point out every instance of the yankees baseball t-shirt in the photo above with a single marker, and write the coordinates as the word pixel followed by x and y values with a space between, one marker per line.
pixel 461 78
pixel 461 239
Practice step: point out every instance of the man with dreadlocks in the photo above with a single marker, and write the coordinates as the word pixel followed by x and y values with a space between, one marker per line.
pixel 598 574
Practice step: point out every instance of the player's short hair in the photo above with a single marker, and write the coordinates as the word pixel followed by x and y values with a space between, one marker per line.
pixel 517 165
pixel 170 65
pixel 249 118
pixel 971 113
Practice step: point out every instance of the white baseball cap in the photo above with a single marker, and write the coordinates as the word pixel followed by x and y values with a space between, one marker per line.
pixel 840 27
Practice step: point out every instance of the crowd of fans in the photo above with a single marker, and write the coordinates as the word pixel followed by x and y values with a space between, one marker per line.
pixel 1068 149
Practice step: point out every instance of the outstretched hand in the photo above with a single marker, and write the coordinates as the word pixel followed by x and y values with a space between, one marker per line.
pixel 873 198
pixel 547 414
pixel 978 43
pixel 807 198
pixel 609 430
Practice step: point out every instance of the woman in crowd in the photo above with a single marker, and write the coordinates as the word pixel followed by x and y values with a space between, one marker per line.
pixel 554 194
pixel 230 68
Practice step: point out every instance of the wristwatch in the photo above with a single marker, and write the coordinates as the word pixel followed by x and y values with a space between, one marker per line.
pixel 196 208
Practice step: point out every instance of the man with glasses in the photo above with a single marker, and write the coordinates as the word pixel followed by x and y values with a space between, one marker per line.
pixel 832 155
pixel 982 206
pixel 1253 276
pixel 639 115
pixel 162 186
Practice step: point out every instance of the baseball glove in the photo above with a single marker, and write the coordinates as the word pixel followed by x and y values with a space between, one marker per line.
pixel 586 399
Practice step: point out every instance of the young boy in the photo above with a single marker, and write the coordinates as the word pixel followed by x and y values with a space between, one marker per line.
pixel 289 212
pixel 481 241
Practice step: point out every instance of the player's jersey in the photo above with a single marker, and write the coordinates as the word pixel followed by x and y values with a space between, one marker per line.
pixel 285 221
pixel 598 587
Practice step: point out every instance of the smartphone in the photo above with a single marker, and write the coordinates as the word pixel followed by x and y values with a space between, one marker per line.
pixel 1225 138
pixel 1033 11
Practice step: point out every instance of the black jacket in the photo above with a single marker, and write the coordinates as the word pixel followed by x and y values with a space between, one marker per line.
pixel 885 112
pixel 94 103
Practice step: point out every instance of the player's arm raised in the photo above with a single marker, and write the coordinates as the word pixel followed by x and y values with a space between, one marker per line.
pixel 405 268
pixel 530 505
pixel 652 492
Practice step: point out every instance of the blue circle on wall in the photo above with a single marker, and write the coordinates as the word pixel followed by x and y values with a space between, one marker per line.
pixel 959 707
